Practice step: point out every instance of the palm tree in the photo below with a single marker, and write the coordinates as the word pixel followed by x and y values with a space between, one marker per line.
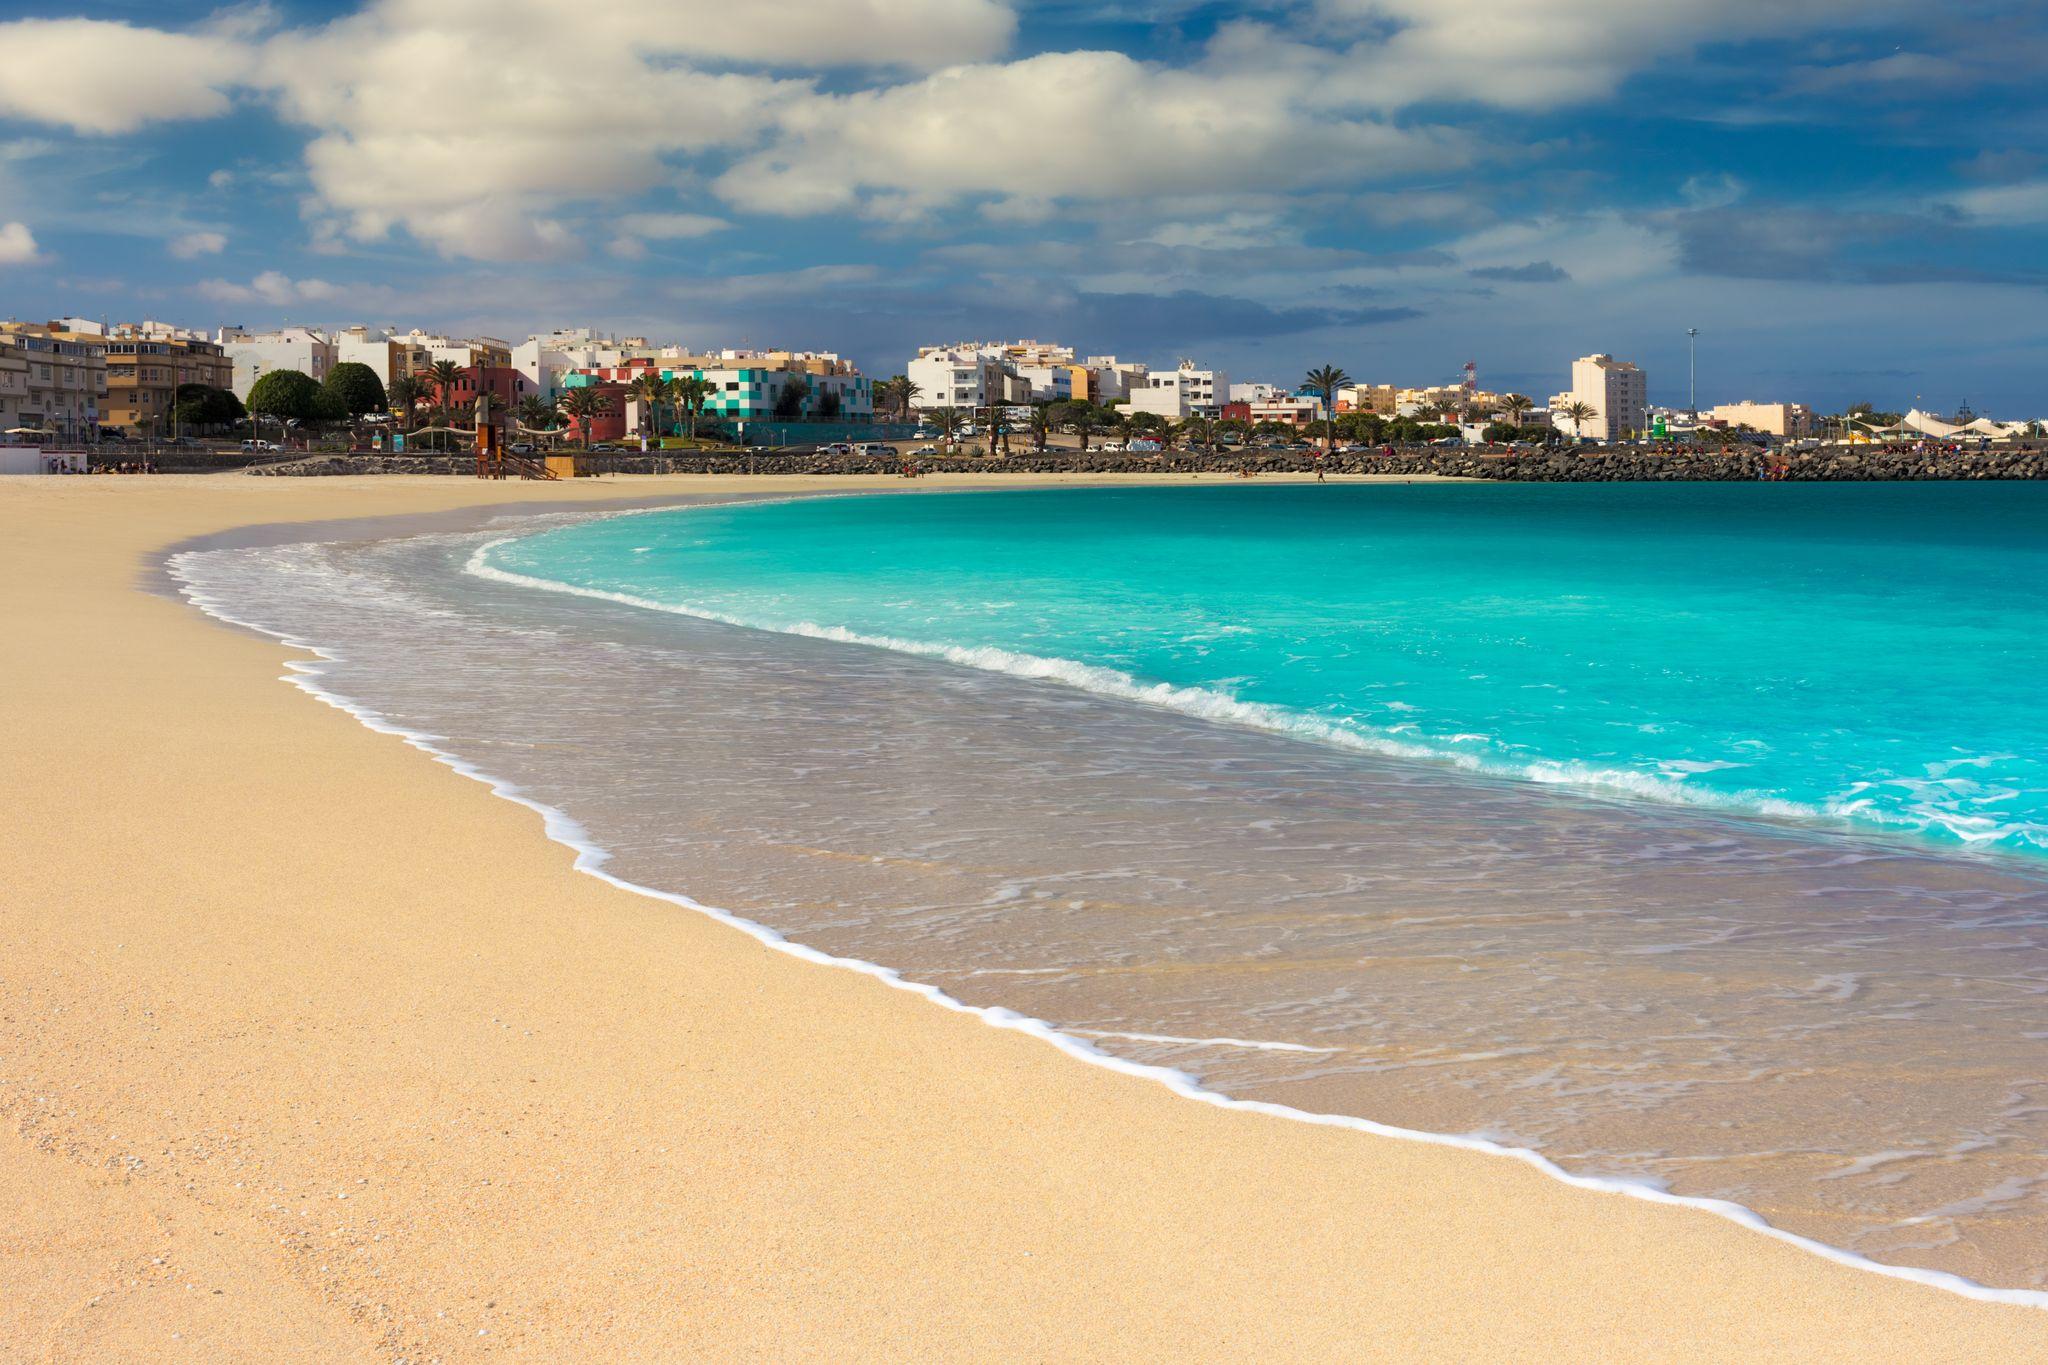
pixel 1041 424
pixel 1200 431
pixel 948 421
pixel 1516 406
pixel 404 396
pixel 908 391
pixel 998 429
pixel 895 395
pixel 652 390
pixel 444 375
pixel 581 406
pixel 1576 413
pixel 1084 419
pixel 693 392
pixel 536 414
pixel 1326 381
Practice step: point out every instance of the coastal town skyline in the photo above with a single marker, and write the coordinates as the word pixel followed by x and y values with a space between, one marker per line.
pixel 1819 189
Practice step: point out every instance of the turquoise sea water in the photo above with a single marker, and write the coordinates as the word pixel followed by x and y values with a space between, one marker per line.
pixel 1869 655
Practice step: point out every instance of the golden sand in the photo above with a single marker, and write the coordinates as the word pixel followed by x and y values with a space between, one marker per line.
pixel 312 1049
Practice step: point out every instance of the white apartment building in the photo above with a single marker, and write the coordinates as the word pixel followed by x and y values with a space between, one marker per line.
pixel 1295 410
pixel 376 348
pixel 1052 383
pixel 1256 393
pixel 1112 380
pixel 1185 392
pixel 48 384
pixel 1789 420
pixel 965 377
pixel 1616 391
pixel 255 354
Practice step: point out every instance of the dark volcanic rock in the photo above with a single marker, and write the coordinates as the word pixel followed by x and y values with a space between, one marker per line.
pixel 1575 466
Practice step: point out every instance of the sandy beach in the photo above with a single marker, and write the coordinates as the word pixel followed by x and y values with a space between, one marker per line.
pixel 315 1049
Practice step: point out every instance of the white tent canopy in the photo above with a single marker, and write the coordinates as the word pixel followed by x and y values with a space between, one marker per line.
pixel 1927 424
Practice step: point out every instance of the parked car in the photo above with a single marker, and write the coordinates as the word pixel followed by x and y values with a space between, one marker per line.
pixel 1112 446
pixel 926 450
pixel 874 450
pixel 259 447
pixel 523 448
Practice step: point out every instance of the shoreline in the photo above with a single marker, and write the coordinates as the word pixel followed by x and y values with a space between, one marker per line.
pixel 591 857
pixel 1661 1303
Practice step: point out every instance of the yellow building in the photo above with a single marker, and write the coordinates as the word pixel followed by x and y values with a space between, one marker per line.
pixel 50 382
pixel 146 362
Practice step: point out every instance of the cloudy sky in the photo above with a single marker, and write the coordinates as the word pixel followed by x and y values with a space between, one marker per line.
pixel 1848 198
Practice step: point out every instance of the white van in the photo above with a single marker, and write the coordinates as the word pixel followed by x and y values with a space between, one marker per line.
pixel 874 449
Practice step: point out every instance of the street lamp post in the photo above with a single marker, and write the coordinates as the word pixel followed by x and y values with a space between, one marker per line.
pixel 1692 402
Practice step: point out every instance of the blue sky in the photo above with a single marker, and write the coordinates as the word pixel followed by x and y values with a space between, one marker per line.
pixel 1849 198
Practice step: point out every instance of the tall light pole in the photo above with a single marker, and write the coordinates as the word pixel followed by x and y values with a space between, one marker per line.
pixel 1692 402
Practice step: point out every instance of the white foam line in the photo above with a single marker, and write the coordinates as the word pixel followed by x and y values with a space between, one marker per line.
pixel 1209 704
pixel 1253 1044
pixel 591 858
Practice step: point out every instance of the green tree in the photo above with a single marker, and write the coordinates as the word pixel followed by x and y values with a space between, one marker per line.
pixel 404 397
pixel 329 406
pixel 203 406
pixel 536 413
pixel 1516 406
pixel 652 391
pixel 1578 414
pixel 829 405
pixel 580 407
pixel 1199 431
pixel 284 396
pixel 1084 419
pixel 1325 382
pixel 948 422
pixel 692 393
pixel 444 375
pixel 357 386
pixel 999 425
pixel 1041 424
pixel 795 396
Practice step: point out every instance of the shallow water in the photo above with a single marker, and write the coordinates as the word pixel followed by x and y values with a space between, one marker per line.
pixel 1839 1028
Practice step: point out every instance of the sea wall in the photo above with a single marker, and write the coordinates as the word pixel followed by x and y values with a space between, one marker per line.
pixel 1574 466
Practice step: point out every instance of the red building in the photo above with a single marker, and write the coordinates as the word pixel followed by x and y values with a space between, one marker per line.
pixel 504 385
pixel 1235 412
pixel 609 425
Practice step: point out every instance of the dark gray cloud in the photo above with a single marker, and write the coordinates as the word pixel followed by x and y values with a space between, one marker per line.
pixel 1535 272
pixel 1842 246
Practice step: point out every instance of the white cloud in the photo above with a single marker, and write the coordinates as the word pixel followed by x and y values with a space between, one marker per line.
pixel 271 287
pixel 1538 54
pixel 2021 205
pixel 1233 231
pixel 637 229
pixel 97 76
pixel 477 125
pixel 17 245
pixel 195 244
pixel 1094 126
